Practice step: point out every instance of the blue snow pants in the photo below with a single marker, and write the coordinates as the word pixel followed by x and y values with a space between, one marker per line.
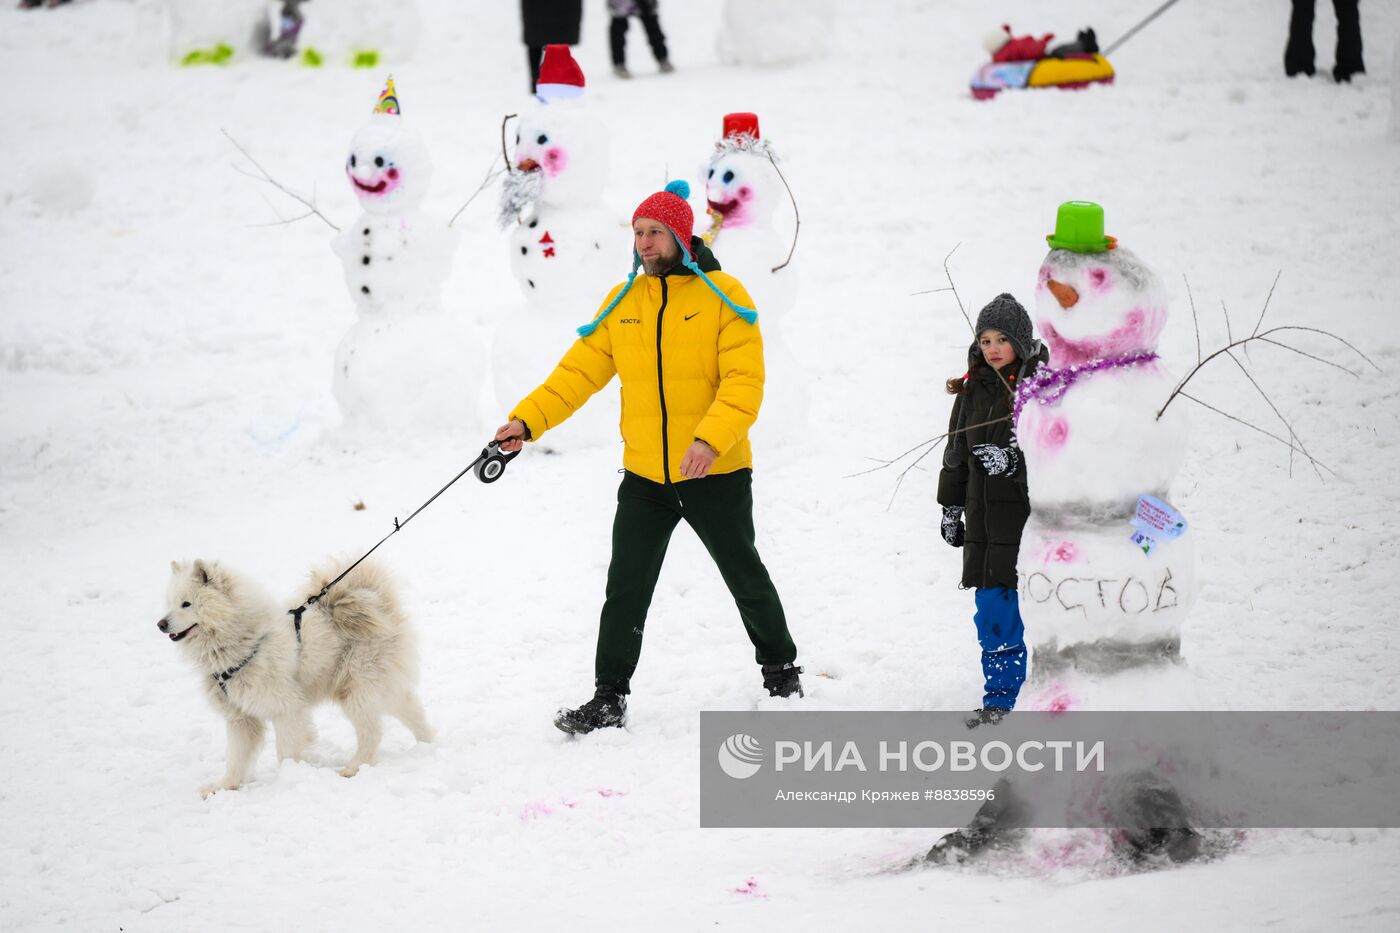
pixel 1003 640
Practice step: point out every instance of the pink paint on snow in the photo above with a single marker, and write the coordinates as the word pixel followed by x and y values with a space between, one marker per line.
pixel 1054 699
pixel 534 810
pixel 749 887
pixel 1083 850
pixel 539 808
pixel 1137 334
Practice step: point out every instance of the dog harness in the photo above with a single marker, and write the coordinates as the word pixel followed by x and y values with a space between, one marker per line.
pixel 224 677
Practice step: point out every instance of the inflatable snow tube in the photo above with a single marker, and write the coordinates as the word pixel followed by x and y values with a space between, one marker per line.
pixel 1070 72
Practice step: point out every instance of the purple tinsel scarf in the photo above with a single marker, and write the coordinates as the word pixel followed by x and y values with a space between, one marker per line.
pixel 1048 386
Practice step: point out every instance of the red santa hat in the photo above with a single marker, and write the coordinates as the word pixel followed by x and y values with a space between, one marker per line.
pixel 560 76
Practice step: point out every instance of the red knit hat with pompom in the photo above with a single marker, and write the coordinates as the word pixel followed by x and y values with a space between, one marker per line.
pixel 670 208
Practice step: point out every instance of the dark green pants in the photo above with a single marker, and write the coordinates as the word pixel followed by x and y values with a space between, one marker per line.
pixel 720 509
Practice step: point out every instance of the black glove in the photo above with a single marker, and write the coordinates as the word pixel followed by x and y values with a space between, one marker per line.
pixel 997 461
pixel 952 527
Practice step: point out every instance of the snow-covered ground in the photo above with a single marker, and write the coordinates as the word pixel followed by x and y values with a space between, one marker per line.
pixel 165 393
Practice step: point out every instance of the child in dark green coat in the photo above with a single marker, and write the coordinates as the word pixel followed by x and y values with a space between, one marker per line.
pixel 982 489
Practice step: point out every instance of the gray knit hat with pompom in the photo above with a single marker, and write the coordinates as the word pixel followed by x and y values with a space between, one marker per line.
pixel 1004 313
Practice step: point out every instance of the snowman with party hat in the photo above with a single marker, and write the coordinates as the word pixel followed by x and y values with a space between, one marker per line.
pixel 405 361
pixel 743 192
pixel 563 244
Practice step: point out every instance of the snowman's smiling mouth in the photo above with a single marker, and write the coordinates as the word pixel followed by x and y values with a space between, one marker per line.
pixel 724 208
pixel 377 188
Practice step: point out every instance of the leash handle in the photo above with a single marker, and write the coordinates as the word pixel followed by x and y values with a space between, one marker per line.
pixel 492 463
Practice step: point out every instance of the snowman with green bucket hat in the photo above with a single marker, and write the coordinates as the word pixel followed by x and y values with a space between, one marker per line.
pixel 1103 596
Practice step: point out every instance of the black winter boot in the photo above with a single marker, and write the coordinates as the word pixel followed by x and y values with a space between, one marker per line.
pixel 607 709
pixel 986 716
pixel 782 680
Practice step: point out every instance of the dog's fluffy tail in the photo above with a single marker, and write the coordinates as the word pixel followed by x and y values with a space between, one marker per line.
pixel 363 605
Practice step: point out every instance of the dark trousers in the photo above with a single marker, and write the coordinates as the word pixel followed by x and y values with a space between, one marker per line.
pixel 720 510
pixel 534 53
pixel 617 35
pixel 1298 56
pixel 1002 636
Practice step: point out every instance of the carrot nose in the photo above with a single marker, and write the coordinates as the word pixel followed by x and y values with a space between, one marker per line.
pixel 1065 295
pixel 528 165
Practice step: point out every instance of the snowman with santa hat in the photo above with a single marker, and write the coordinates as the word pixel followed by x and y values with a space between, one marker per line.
pixel 743 191
pixel 405 361
pixel 561 237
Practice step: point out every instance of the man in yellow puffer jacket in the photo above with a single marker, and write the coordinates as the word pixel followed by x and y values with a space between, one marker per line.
pixel 684 342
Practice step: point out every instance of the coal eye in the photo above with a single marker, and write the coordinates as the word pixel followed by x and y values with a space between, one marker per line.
pixel 379 161
pixel 542 140
pixel 728 176
pixel 352 161
pixel 184 605
pixel 712 174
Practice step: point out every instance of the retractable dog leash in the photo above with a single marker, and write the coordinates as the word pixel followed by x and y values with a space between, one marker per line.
pixel 489 466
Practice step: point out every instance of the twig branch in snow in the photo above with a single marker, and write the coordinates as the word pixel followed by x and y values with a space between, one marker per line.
pixel 899 481
pixel 953 286
pixel 505 156
pixel 927 443
pixel 1291 433
pixel 1260 336
pixel 1311 356
pixel 275 183
pixel 491 175
pixel 281 223
pixel 1253 427
pixel 796 215
pixel 1195 321
pixel 1265 309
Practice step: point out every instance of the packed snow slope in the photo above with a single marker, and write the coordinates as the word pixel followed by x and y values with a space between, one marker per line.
pixel 165 392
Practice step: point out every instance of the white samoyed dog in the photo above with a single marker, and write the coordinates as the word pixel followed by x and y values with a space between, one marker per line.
pixel 354 647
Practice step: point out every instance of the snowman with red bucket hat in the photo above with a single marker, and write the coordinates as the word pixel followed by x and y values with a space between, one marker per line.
pixel 744 192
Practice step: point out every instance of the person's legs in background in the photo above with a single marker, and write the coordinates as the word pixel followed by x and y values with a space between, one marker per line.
pixel 1349 61
pixel 1298 55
